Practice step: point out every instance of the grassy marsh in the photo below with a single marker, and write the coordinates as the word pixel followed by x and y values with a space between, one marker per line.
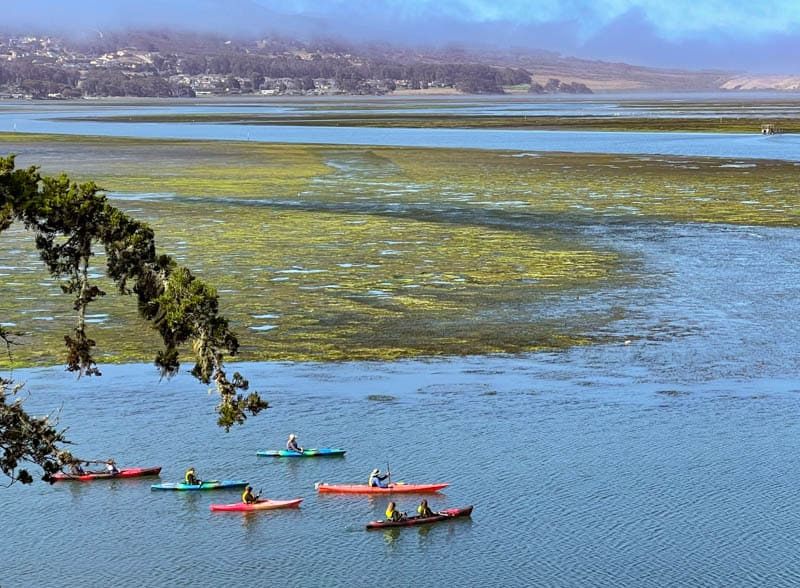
pixel 708 123
pixel 323 252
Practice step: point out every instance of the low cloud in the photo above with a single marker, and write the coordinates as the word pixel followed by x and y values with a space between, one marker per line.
pixel 693 34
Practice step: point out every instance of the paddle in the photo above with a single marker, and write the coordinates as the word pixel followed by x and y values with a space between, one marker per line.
pixel 389 473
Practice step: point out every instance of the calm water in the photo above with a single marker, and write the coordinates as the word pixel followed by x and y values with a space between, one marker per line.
pixel 51 118
pixel 670 461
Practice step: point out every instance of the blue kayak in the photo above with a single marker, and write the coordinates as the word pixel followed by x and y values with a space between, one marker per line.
pixel 209 485
pixel 324 451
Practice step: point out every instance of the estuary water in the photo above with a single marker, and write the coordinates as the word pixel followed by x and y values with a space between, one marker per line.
pixel 667 458
pixel 72 119
pixel 666 461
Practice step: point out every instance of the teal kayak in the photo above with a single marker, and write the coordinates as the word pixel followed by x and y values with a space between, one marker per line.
pixel 209 485
pixel 324 451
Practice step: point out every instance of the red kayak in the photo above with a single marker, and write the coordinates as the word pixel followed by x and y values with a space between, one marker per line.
pixel 258 505
pixel 443 515
pixel 126 473
pixel 393 488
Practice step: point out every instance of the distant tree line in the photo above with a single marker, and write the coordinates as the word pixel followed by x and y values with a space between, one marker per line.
pixel 556 86
pixel 40 80
pixel 116 83
pixel 350 76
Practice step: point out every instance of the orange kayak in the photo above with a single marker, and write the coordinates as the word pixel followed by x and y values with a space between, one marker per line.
pixel 393 488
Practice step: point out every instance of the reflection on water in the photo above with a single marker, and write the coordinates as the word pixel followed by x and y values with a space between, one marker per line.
pixel 390 536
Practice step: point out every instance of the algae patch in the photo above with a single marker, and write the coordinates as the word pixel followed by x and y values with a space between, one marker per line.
pixel 335 253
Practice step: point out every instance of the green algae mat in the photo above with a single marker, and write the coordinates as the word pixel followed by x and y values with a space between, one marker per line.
pixel 335 253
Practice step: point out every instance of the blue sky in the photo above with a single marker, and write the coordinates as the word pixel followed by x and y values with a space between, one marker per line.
pixel 744 35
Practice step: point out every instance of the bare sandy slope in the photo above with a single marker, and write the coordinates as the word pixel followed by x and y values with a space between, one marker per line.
pixel 754 82
pixel 606 76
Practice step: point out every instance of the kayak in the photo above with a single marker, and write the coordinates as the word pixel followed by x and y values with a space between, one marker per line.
pixel 124 473
pixel 208 485
pixel 323 451
pixel 258 505
pixel 442 515
pixel 393 488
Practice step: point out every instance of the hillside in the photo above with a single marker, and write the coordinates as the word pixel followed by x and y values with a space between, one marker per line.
pixel 168 64
pixel 599 76
pixel 603 76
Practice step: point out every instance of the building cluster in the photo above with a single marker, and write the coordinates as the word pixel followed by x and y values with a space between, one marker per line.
pixel 28 62
pixel 48 68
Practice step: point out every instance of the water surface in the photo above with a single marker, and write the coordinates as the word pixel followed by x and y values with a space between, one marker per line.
pixel 667 461
pixel 66 119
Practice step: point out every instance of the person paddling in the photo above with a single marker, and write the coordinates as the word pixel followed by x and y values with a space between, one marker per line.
pixel 376 479
pixel 392 514
pixel 424 510
pixel 291 444
pixel 111 467
pixel 76 469
pixel 191 478
pixel 248 497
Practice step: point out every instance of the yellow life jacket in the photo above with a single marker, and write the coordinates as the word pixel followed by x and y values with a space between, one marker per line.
pixel 389 513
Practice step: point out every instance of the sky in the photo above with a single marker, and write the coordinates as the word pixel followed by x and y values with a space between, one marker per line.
pixel 758 36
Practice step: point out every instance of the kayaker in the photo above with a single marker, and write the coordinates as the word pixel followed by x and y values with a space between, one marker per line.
pixel 392 514
pixel 376 479
pixel 190 478
pixel 424 510
pixel 76 469
pixel 111 467
pixel 248 497
pixel 291 444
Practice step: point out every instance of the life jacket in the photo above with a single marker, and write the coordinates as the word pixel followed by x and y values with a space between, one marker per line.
pixel 190 478
pixel 424 511
pixel 389 513
pixel 247 494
